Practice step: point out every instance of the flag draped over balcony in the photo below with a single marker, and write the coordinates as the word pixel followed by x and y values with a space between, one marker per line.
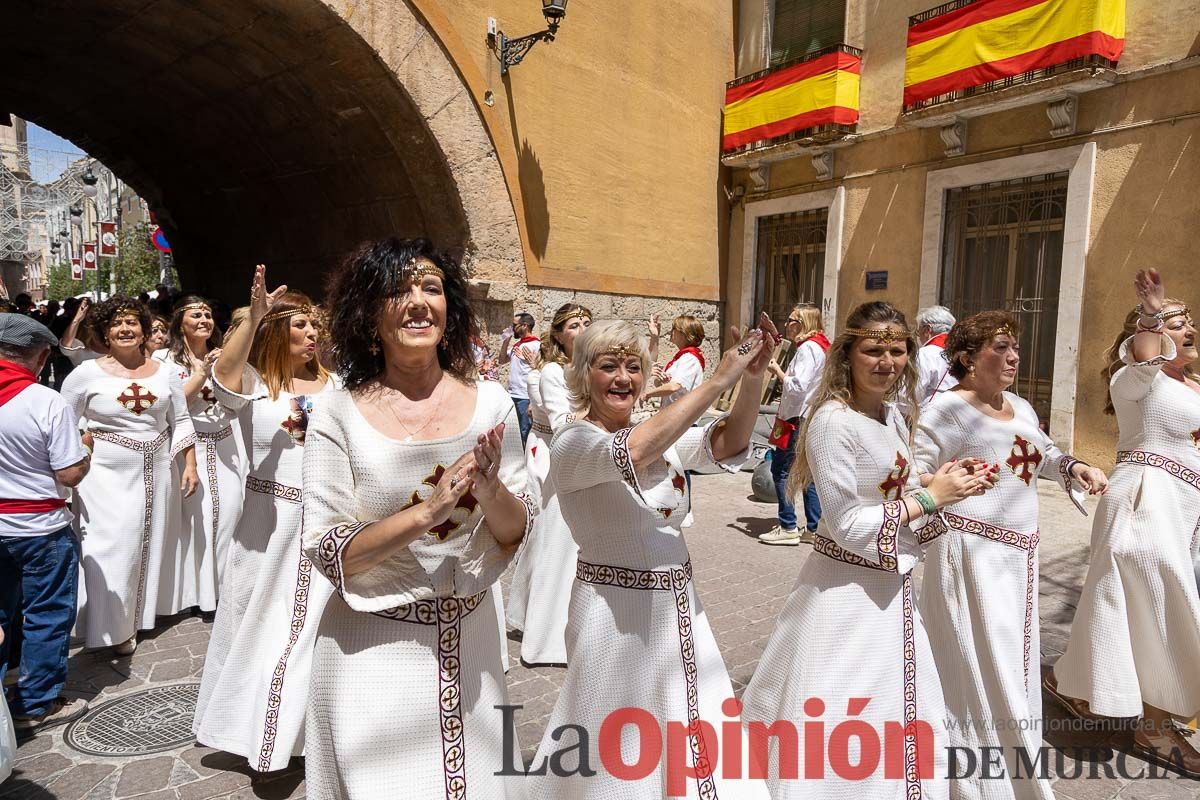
pixel 823 91
pixel 993 39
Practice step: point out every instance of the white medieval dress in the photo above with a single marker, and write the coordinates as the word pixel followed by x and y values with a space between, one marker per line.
pixel 254 689
pixel 130 563
pixel 407 672
pixel 979 592
pixel 850 635
pixel 637 636
pixel 541 586
pixel 1136 634
pixel 209 517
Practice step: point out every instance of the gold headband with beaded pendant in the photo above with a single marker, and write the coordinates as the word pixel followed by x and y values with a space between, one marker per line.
pixel 128 311
pixel 621 351
pixel 306 310
pixel 573 311
pixel 415 270
pixel 191 306
pixel 1185 311
pixel 881 335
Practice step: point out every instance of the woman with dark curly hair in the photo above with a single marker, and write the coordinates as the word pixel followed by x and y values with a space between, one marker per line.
pixel 979 592
pixel 138 418
pixel 209 517
pixel 413 507
pixel 255 684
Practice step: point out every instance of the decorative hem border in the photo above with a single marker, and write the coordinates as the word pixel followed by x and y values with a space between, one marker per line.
pixel 281 491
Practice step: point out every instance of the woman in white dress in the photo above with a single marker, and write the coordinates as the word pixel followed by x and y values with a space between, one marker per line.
pixel 1135 641
pixel 254 689
pixel 541 584
pixel 637 636
pixel 849 647
pixel 413 507
pixel 135 411
pixel 209 517
pixel 980 587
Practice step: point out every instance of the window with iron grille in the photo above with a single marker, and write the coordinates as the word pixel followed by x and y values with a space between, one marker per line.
pixel 801 27
pixel 1002 250
pixel 790 263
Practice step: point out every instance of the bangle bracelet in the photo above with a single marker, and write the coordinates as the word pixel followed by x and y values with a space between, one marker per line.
pixel 925 500
pixel 1141 310
pixel 1156 328
pixel 89 450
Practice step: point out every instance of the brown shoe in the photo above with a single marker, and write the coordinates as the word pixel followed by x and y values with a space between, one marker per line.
pixel 1077 708
pixel 61 710
pixel 1169 748
pixel 127 647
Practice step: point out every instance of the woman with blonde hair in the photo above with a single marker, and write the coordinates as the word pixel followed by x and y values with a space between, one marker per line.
pixel 806 329
pixel 541 584
pixel 637 637
pixel 256 673
pixel 849 635
pixel 1135 640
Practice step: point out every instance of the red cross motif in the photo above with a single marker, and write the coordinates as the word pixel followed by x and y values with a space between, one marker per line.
pixel 678 482
pixel 467 502
pixel 1024 463
pixel 893 486
pixel 136 398
pixel 296 423
pixel 206 394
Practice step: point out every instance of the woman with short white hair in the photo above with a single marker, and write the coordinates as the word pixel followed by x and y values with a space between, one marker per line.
pixel 633 605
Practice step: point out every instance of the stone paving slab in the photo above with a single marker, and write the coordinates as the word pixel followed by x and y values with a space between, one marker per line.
pixel 742 585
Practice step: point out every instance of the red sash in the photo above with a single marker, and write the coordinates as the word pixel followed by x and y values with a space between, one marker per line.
pixel 821 340
pixel 693 350
pixel 939 340
pixel 31 506
pixel 14 379
pixel 527 339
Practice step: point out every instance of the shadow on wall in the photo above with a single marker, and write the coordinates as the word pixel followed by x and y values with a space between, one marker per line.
pixel 533 192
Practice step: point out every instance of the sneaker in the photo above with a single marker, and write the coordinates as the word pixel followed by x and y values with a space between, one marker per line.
pixel 806 536
pixel 61 710
pixel 688 521
pixel 781 536
pixel 127 647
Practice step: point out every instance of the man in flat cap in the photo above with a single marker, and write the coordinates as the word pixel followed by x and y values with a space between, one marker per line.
pixel 41 456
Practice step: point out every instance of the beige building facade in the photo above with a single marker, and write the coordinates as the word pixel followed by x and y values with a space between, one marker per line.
pixel 1041 195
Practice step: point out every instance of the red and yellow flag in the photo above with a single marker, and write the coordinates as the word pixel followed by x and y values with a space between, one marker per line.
pixel 823 91
pixel 993 39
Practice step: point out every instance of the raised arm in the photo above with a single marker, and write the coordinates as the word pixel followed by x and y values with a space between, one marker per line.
pixel 236 349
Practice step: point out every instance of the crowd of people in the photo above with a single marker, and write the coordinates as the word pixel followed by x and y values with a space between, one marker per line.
pixel 344 485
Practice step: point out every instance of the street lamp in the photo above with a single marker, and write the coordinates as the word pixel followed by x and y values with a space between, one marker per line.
pixel 89 182
pixel 513 51
pixel 76 213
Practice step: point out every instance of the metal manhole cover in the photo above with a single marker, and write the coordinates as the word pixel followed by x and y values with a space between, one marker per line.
pixel 149 721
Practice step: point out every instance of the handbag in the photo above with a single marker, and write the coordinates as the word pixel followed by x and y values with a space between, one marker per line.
pixel 781 433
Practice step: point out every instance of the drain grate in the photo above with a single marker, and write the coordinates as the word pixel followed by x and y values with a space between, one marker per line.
pixel 148 721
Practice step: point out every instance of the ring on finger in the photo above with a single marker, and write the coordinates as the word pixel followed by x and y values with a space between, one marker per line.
pixel 453 481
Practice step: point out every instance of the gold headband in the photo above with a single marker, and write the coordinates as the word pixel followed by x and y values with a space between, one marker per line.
pixel 190 306
pixel 1004 330
pixel 1169 314
pixel 881 335
pixel 306 310
pixel 124 311
pixel 573 311
pixel 620 351
pixel 414 270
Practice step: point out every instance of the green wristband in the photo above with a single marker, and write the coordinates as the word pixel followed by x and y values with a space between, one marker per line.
pixel 925 499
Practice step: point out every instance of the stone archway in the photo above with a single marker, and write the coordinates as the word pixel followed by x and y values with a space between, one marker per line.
pixel 281 131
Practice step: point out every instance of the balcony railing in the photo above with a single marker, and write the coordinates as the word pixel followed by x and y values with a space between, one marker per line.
pixel 819 133
pixel 1089 62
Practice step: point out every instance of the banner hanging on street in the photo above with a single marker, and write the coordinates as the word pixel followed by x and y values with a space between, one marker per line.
pixel 76 269
pixel 811 94
pixel 108 238
pixel 89 256
pixel 994 39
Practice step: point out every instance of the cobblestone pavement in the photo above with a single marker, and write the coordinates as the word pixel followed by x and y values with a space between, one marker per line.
pixel 742 584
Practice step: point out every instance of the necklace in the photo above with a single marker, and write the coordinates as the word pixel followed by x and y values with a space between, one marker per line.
pixel 411 433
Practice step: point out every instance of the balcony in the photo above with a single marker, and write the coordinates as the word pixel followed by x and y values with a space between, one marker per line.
pixel 792 108
pixel 1032 59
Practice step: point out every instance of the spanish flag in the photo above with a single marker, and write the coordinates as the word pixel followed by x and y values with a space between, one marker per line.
pixel 992 39
pixel 823 91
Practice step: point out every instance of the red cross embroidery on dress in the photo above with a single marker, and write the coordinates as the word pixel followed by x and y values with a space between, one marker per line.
pixel 206 394
pixel 467 502
pixel 1024 463
pixel 1196 438
pixel 893 486
pixel 296 423
pixel 678 482
pixel 136 398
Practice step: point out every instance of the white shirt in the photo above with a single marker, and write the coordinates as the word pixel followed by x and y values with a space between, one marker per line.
pixel 801 379
pixel 38 435
pixel 518 370
pixel 934 373
pixel 687 372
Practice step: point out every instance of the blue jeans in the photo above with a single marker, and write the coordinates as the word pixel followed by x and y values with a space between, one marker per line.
pixel 39 579
pixel 781 468
pixel 523 418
